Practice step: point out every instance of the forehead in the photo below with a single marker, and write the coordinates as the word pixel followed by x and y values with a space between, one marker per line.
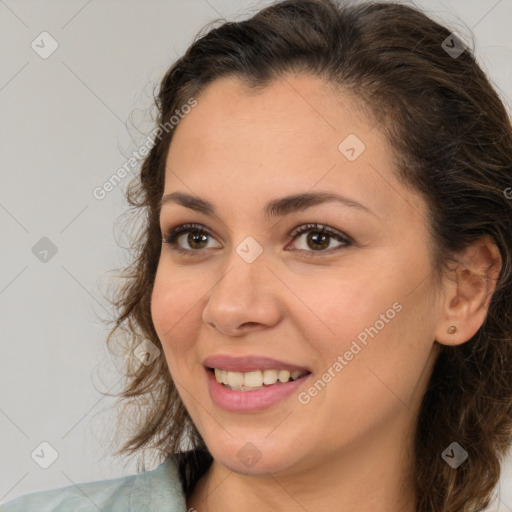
pixel 284 137
pixel 294 104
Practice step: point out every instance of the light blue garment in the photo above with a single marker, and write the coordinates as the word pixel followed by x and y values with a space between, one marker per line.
pixel 158 490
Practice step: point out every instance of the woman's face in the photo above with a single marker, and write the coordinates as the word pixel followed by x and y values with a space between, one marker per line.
pixel 355 306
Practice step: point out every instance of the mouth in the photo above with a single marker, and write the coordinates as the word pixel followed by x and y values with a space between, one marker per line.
pixel 252 383
pixel 256 379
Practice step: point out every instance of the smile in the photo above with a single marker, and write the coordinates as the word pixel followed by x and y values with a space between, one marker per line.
pixel 257 395
pixel 258 379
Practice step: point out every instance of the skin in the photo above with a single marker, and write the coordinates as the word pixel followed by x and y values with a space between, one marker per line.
pixel 349 448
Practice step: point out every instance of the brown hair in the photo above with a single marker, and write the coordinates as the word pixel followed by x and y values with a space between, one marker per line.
pixel 453 143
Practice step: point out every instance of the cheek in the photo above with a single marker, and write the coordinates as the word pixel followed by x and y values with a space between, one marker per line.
pixel 344 306
pixel 384 362
pixel 373 321
pixel 175 306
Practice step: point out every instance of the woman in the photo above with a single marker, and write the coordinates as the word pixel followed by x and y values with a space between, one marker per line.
pixel 321 299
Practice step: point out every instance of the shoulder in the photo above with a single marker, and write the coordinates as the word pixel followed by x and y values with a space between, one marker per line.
pixel 156 490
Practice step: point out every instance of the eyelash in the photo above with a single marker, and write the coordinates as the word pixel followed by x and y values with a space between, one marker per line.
pixel 171 237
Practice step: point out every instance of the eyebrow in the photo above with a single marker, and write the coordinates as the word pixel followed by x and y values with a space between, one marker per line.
pixel 274 208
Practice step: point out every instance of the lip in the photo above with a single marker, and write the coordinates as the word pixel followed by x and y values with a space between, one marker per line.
pixel 249 364
pixel 251 401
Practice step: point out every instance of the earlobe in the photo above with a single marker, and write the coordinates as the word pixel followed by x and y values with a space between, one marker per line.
pixel 468 291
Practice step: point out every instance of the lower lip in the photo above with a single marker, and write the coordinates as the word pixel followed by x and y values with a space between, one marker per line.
pixel 249 401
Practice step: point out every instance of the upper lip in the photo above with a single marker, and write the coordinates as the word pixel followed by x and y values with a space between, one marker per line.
pixel 249 363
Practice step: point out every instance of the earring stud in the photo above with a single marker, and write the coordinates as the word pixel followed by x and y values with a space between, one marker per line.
pixel 452 329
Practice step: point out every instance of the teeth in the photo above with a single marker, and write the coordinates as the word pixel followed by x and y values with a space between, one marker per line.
pixel 220 375
pixel 252 379
pixel 234 378
pixel 243 381
pixel 284 375
pixel 270 377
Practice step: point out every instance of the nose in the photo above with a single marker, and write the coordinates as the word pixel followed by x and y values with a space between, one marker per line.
pixel 244 298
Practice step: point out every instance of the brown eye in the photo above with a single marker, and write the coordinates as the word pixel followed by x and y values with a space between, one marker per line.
pixel 197 238
pixel 319 238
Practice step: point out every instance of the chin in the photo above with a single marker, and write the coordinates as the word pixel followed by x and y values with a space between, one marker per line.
pixel 254 456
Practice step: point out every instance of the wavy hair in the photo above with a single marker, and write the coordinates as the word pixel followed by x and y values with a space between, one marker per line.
pixel 452 140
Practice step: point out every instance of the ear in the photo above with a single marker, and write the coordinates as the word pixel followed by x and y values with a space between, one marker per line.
pixel 468 289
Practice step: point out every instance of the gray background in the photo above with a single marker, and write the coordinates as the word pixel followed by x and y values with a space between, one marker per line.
pixel 68 123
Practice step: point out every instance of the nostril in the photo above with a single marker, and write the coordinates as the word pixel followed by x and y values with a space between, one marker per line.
pixel 249 324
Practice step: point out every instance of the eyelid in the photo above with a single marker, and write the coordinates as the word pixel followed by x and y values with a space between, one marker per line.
pixel 320 228
pixel 170 236
pixel 345 240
